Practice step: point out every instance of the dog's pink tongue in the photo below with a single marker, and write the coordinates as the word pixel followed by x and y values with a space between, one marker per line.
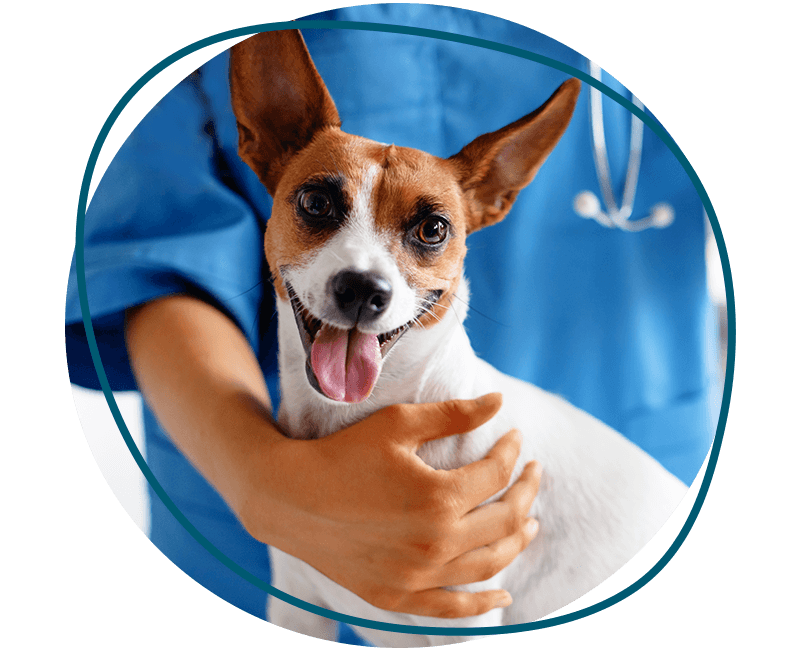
pixel 346 363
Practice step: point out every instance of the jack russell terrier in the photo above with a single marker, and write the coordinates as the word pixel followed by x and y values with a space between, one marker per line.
pixel 366 244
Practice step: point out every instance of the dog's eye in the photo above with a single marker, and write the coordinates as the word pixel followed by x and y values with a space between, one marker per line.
pixel 432 231
pixel 315 203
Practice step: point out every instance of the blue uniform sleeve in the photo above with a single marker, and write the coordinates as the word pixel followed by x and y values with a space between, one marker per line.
pixel 174 213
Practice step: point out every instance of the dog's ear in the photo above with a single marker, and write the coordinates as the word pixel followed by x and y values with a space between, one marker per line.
pixel 494 167
pixel 279 100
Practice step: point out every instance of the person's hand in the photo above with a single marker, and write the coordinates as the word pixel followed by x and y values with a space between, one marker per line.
pixel 360 505
pixel 362 508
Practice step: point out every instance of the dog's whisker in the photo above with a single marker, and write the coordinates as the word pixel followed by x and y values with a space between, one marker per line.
pixel 428 311
pixel 421 305
pixel 461 322
pixel 480 313
pixel 239 295
pixel 425 304
pixel 425 310
pixel 252 329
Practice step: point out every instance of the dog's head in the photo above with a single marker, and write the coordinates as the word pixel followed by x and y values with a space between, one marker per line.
pixel 367 240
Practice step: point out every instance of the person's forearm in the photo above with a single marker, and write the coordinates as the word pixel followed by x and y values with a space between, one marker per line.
pixel 198 373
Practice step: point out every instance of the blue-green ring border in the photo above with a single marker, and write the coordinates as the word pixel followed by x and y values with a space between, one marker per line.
pixel 468 40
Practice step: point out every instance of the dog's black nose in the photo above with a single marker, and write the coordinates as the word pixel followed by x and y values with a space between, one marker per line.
pixel 361 296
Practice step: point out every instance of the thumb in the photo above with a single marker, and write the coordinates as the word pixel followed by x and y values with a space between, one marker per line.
pixel 442 419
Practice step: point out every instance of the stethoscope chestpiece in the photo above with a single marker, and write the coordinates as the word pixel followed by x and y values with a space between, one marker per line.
pixel 587 205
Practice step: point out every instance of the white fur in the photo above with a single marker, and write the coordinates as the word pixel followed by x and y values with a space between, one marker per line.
pixel 601 498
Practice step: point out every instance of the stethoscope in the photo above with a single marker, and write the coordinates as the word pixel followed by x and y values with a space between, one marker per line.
pixel 587 205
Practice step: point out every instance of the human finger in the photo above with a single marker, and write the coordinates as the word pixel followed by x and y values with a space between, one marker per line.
pixel 425 422
pixel 441 603
pixel 484 478
pixel 486 562
pixel 487 524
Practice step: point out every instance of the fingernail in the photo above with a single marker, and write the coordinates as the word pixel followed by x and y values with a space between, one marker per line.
pixel 505 600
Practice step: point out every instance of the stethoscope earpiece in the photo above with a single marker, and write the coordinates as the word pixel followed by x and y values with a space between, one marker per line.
pixel 587 205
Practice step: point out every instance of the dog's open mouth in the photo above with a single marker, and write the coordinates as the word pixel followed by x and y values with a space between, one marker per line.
pixel 341 364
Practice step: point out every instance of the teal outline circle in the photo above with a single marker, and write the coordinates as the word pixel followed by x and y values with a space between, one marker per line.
pixel 468 40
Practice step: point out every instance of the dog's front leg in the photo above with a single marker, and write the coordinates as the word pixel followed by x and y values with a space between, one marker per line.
pixel 289 576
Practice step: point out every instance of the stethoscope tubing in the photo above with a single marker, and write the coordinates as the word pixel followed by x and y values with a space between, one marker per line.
pixel 586 204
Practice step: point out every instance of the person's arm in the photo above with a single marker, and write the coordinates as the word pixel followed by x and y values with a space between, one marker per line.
pixel 360 493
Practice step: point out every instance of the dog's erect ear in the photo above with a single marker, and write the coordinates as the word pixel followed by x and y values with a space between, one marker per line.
pixel 494 167
pixel 279 100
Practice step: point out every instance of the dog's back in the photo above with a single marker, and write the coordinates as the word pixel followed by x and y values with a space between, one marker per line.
pixel 600 501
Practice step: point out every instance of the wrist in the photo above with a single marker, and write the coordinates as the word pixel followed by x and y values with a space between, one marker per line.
pixel 273 482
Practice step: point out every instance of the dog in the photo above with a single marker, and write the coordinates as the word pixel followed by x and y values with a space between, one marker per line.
pixel 366 244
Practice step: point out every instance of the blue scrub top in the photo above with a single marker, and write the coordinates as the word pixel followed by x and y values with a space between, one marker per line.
pixel 618 323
